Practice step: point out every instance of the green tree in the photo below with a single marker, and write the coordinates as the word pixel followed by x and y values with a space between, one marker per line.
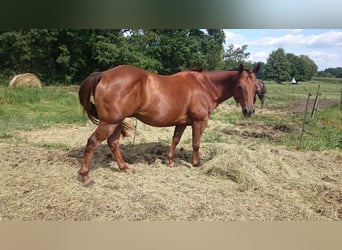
pixel 296 69
pixel 172 49
pixel 309 68
pixel 15 53
pixel 43 51
pixel 27 51
pixel 64 61
pixel 331 72
pixel 234 56
pixel 106 49
pixel 302 67
pixel 179 49
pixel 277 67
pixel 212 46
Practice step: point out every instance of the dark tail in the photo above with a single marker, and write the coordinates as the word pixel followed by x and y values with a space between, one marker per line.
pixel 86 91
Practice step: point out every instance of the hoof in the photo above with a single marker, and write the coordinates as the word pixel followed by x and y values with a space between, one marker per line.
pixel 129 170
pixel 88 183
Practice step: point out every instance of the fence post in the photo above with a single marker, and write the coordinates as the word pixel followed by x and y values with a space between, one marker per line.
pixel 306 109
pixel 314 107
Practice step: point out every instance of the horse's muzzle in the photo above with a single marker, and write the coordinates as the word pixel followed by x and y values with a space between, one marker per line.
pixel 248 111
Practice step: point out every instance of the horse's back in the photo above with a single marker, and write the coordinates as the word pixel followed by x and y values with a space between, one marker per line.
pixel 127 75
pixel 124 74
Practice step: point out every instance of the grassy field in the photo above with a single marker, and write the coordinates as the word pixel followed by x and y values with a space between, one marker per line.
pixel 251 168
pixel 31 108
pixel 28 108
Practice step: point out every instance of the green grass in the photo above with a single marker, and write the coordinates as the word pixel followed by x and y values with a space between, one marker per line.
pixel 325 130
pixel 327 80
pixel 29 108
pixel 282 96
pixel 321 133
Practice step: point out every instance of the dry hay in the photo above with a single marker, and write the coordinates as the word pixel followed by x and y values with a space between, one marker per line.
pixel 235 182
pixel 26 79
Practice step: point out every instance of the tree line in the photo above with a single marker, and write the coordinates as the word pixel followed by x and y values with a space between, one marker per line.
pixel 331 72
pixel 69 55
pixel 281 66
pixel 56 54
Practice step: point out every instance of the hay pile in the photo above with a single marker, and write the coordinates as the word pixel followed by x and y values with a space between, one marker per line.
pixel 26 79
pixel 236 182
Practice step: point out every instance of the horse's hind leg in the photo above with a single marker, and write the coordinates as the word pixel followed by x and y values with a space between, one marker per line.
pixel 113 143
pixel 102 132
pixel 179 129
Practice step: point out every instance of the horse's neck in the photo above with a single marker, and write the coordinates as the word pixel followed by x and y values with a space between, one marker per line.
pixel 224 84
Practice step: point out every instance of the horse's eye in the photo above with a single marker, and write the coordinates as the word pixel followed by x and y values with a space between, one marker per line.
pixel 239 87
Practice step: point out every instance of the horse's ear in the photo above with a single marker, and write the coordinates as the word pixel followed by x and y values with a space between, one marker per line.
pixel 256 68
pixel 241 68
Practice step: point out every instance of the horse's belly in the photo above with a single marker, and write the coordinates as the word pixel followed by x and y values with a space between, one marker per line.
pixel 162 121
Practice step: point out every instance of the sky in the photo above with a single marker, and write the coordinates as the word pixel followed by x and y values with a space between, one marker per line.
pixel 323 46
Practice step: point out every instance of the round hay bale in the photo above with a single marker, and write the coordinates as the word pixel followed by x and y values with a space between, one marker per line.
pixel 26 79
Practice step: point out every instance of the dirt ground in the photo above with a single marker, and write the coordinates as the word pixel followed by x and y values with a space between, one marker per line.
pixel 236 182
pixel 299 105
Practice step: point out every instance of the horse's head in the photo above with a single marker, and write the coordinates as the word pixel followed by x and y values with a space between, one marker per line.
pixel 245 87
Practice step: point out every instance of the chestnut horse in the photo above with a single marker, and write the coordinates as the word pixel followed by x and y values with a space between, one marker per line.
pixel 182 99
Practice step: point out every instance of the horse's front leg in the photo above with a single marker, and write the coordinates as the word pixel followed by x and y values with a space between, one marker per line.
pixel 197 131
pixel 113 143
pixel 179 129
pixel 102 132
